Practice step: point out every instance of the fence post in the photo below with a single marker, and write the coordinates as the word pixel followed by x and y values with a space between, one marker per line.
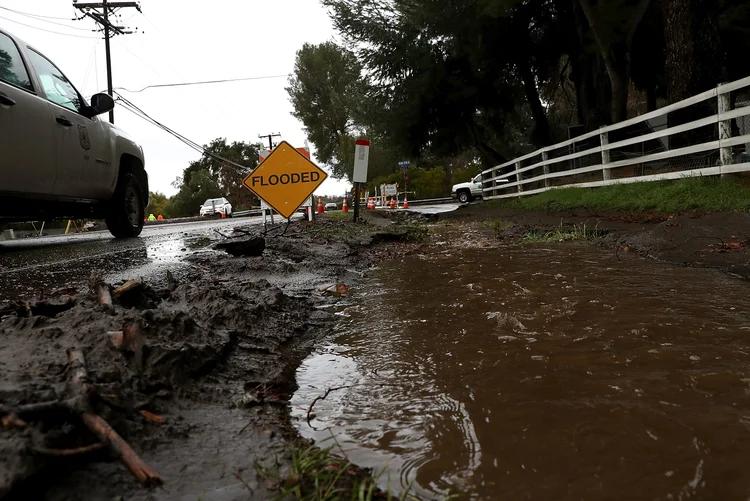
pixel 604 141
pixel 518 177
pixel 545 167
pixel 725 131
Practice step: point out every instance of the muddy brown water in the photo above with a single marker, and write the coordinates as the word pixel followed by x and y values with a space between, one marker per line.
pixel 540 372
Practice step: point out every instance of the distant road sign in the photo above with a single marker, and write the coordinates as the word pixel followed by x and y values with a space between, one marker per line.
pixel 285 179
pixel 390 190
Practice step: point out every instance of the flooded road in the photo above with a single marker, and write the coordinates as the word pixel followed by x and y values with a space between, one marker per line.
pixel 539 372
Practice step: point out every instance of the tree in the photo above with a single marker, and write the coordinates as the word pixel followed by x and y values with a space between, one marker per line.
pixel 329 96
pixel 157 203
pixel 501 77
pixel 200 187
pixel 614 25
pixel 694 61
pixel 325 90
pixel 227 174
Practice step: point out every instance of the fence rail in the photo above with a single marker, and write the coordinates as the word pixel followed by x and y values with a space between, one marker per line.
pixel 659 145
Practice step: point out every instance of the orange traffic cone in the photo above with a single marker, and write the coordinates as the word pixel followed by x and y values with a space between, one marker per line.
pixel 406 202
pixel 321 209
pixel 345 207
pixel 393 203
pixel 224 215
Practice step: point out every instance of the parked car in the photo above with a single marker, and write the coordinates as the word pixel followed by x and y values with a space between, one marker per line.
pixel 216 206
pixel 331 206
pixel 58 158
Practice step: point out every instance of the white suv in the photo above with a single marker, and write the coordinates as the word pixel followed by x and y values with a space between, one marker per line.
pixel 58 159
pixel 214 206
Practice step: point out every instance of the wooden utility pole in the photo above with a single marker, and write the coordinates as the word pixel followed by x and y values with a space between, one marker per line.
pixel 100 12
pixel 270 139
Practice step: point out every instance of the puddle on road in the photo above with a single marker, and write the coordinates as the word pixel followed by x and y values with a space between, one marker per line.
pixel 26 272
pixel 540 373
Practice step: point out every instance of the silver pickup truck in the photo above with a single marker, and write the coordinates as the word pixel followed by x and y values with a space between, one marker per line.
pixel 58 159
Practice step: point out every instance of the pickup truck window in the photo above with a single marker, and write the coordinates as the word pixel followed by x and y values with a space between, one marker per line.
pixel 12 69
pixel 56 87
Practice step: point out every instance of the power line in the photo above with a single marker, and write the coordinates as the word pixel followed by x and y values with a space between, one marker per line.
pixel 128 105
pixel 36 15
pixel 40 18
pixel 221 119
pixel 48 31
pixel 166 62
pixel 205 82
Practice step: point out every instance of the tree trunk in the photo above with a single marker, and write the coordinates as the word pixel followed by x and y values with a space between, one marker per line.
pixel 651 98
pixel 490 156
pixel 694 56
pixel 615 51
pixel 620 80
pixel 693 62
pixel 593 92
pixel 540 135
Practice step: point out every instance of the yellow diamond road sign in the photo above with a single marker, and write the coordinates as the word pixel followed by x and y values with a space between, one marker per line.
pixel 285 179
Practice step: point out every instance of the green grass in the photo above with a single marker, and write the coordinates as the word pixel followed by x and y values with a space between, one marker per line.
pixel 318 475
pixel 342 216
pixel 662 196
pixel 565 234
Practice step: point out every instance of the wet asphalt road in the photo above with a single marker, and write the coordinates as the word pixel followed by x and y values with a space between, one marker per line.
pixel 32 266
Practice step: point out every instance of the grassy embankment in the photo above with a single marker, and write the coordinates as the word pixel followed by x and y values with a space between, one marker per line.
pixel 663 197
pixel 666 197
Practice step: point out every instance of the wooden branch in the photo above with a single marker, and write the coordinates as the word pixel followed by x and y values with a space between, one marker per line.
pixel 29 411
pixel 103 294
pixel 324 396
pixel 68 452
pixel 80 383
pixel 143 472
pixel 127 287
pixel 12 421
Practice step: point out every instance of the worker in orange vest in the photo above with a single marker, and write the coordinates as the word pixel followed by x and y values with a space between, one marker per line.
pixel 160 218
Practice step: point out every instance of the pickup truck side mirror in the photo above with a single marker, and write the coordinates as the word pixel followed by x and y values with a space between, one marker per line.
pixel 101 103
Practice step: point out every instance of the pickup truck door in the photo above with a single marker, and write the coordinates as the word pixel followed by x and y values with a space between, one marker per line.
pixel 476 190
pixel 84 151
pixel 28 163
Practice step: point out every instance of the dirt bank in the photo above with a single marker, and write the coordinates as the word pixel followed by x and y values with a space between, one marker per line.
pixel 194 374
pixel 695 238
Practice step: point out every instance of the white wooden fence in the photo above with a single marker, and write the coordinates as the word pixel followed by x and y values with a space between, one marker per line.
pixel 644 148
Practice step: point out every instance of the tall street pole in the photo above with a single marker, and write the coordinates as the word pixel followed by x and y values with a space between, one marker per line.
pixel 109 58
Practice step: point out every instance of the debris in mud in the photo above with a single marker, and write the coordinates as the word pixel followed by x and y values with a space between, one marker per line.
pixel 80 399
pixel 50 308
pixel 252 246
pixel 336 290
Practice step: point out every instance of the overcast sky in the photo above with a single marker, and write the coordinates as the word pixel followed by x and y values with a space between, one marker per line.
pixel 177 41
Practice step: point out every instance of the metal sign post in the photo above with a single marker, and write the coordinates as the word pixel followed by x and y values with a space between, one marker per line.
pixel 361 157
pixel 405 165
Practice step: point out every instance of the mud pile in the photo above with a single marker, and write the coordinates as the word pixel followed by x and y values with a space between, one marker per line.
pixel 195 375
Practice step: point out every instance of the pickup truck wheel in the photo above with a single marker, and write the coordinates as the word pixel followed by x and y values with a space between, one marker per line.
pixel 464 197
pixel 126 213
